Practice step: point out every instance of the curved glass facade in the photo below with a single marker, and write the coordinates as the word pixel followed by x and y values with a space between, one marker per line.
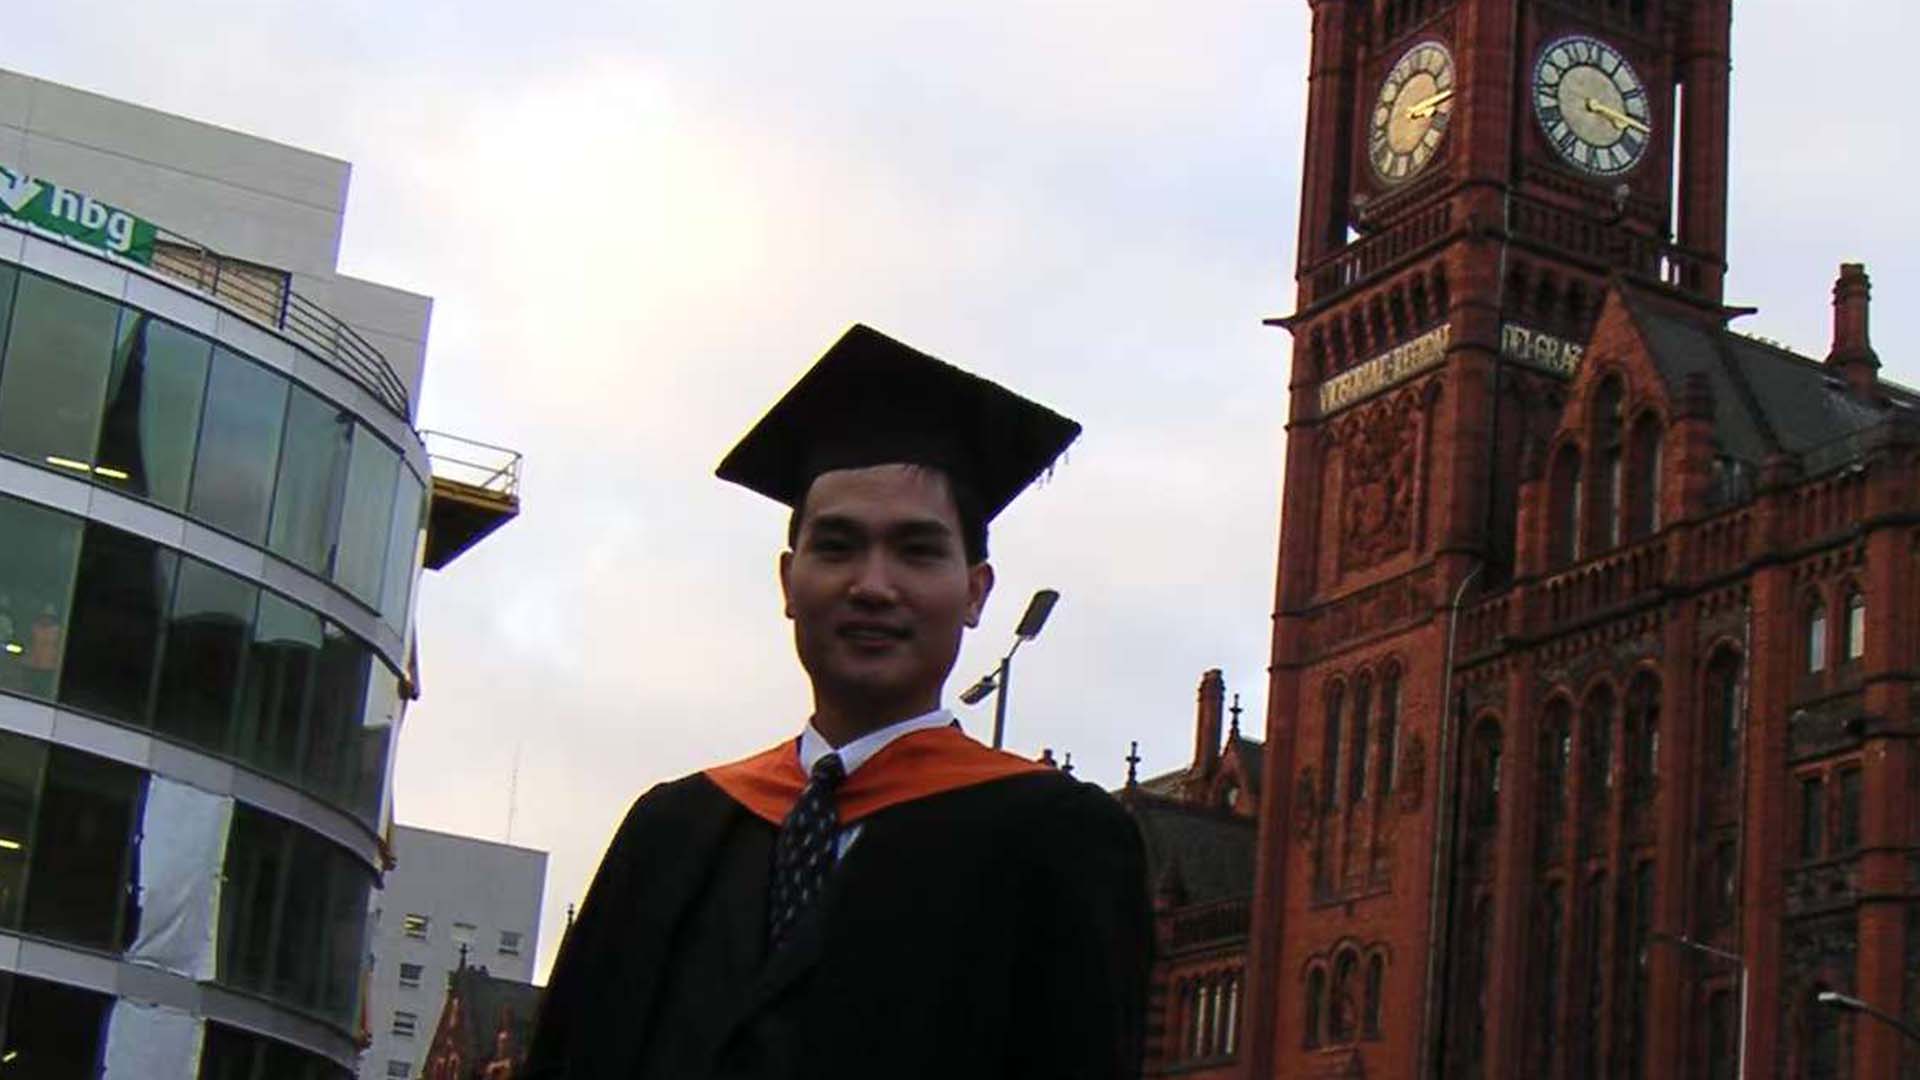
pixel 97 389
pixel 231 1054
pixel 293 910
pixel 50 1031
pixel 213 519
pixel 113 625
pixel 293 916
pixel 67 826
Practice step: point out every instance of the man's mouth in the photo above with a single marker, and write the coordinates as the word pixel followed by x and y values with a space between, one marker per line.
pixel 870 633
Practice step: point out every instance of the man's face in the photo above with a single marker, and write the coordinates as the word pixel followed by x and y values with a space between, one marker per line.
pixel 879 589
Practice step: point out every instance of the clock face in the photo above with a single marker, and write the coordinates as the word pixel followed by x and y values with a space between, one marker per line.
pixel 1592 105
pixel 1410 117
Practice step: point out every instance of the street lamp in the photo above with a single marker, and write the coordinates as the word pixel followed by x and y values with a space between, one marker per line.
pixel 1842 1001
pixel 1036 617
pixel 1685 942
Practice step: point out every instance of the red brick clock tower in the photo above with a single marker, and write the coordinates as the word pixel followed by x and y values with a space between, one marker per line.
pixel 1480 177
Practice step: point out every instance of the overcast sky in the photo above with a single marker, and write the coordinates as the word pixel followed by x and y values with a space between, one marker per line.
pixel 642 220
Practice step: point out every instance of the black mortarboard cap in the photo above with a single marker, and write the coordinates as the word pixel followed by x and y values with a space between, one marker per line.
pixel 871 400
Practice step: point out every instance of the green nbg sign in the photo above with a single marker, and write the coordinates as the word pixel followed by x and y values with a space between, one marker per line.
pixel 80 217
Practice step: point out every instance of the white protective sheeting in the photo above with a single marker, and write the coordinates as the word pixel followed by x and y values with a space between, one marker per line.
pixel 151 1042
pixel 183 849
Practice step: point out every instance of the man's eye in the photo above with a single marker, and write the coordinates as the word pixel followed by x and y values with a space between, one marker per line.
pixel 926 552
pixel 830 545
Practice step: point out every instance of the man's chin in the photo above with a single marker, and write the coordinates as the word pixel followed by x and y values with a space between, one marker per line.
pixel 883 691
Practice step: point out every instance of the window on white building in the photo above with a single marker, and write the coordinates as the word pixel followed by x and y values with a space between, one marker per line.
pixel 415 926
pixel 510 943
pixel 405 1024
pixel 398 1070
pixel 410 976
pixel 464 932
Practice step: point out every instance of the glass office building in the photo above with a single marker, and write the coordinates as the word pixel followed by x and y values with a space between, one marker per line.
pixel 213 513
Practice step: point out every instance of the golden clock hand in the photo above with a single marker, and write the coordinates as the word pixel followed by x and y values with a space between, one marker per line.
pixel 1420 110
pixel 1620 120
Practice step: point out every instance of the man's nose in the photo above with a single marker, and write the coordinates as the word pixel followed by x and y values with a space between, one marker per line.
pixel 874 584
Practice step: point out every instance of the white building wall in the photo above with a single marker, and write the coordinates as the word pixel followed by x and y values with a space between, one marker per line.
pixel 451 880
pixel 237 194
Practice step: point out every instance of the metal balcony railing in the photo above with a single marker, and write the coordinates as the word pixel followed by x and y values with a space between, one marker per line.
pixel 266 296
pixel 484 467
pixel 476 490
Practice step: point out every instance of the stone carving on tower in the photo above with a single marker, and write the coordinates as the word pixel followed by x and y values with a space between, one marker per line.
pixel 1379 451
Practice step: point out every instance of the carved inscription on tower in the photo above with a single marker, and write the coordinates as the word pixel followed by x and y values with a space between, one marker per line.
pixel 1379 446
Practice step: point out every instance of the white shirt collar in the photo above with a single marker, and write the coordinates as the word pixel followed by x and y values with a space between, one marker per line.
pixel 814 746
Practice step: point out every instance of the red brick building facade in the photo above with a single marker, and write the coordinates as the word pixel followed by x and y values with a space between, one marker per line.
pixel 484 1028
pixel 1198 824
pixel 1594 635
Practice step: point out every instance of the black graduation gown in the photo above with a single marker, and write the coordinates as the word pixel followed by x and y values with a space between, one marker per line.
pixel 997 930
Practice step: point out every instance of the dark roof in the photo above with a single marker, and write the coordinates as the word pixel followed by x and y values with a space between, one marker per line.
pixel 1253 760
pixel 1173 784
pixel 485 999
pixel 1167 784
pixel 1210 850
pixel 1767 399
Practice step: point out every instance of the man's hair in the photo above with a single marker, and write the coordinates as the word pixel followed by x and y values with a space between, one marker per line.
pixel 966 507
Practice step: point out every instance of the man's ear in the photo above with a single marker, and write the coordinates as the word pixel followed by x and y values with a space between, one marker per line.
pixel 786 588
pixel 979 585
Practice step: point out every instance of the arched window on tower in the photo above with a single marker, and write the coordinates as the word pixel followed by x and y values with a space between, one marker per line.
pixel 1483 797
pixel 1643 483
pixel 1643 735
pixel 1723 711
pixel 1563 518
pixel 1815 628
pixel 1480 957
pixel 1586 1059
pixel 1345 1004
pixel 1376 987
pixel 1596 765
pixel 1330 747
pixel 1596 737
pixel 1556 766
pixel 1853 640
pixel 1362 721
pixel 1547 953
pixel 1316 1007
pixel 1389 728
pixel 1610 455
pixel 1485 779
pixel 1632 970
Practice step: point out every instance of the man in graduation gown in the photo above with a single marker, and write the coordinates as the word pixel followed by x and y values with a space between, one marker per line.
pixel 880 895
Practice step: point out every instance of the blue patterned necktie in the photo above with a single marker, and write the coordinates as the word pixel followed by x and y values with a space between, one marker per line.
pixel 803 854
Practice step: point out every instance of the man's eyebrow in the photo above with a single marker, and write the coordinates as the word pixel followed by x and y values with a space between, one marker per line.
pixel 921 528
pixel 913 528
pixel 833 523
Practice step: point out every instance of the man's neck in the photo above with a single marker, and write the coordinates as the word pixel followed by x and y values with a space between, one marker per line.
pixel 841 724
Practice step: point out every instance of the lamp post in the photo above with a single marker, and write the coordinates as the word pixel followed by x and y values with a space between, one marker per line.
pixel 996 681
pixel 1740 962
pixel 1854 1004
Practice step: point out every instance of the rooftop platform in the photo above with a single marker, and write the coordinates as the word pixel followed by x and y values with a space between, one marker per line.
pixel 476 490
